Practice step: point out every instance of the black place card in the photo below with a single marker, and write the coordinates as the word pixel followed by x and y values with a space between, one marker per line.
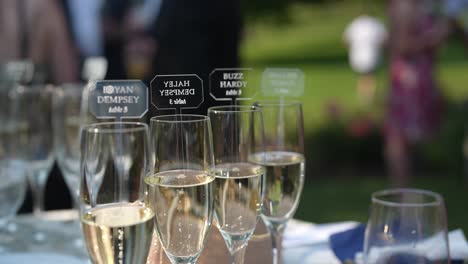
pixel 180 91
pixel 227 84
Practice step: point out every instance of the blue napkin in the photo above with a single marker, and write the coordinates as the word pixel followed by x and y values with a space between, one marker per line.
pixel 346 244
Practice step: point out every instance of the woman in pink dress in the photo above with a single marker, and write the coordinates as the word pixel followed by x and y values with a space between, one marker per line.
pixel 414 109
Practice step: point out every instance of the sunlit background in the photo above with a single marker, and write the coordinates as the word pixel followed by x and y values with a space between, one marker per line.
pixel 345 142
pixel 345 138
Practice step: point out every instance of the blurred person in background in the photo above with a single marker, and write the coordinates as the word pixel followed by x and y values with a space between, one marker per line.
pixel 197 37
pixel 129 42
pixel 141 44
pixel 143 39
pixel 83 19
pixel 35 30
pixel 365 37
pixel 414 103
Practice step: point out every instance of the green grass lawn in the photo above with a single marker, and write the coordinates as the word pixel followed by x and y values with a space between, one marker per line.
pixel 312 41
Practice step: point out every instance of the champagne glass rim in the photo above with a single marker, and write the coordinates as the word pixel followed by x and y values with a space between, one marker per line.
pixel 33 89
pixel 115 127
pixel 179 118
pixel 234 109
pixel 73 86
pixel 429 198
pixel 69 89
pixel 269 103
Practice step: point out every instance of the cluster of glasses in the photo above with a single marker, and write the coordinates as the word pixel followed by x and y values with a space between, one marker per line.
pixel 172 180
pixel 40 124
pixel 235 165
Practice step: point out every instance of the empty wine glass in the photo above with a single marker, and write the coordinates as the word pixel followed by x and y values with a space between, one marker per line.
pixel 180 190
pixel 237 135
pixel 67 120
pixel 33 117
pixel 283 160
pixel 116 221
pixel 12 169
pixel 406 226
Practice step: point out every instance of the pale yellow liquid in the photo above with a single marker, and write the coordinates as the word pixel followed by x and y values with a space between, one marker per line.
pixel 182 200
pixel 238 199
pixel 118 233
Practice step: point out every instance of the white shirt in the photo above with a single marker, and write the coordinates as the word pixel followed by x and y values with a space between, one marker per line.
pixel 86 25
pixel 365 36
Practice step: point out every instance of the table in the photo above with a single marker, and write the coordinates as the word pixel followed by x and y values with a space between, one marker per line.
pixel 304 243
pixel 54 237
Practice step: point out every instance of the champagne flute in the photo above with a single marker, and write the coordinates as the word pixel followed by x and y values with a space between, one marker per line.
pixel 237 134
pixel 12 170
pixel 67 120
pixel 406 226
pixel 33 114
pixel 283 160
pixel 116 221
pixel 180 191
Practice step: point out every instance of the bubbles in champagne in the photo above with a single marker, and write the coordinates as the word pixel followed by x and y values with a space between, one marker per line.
pixel 118 233
pixel 238 200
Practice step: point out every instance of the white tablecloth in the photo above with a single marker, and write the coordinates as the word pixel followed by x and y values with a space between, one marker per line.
pixel 304 243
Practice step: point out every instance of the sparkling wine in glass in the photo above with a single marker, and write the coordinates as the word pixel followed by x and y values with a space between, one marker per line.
pixel 283 160
pixel 406 226
pixel 180 188
pixel 238 188
pixel 116 221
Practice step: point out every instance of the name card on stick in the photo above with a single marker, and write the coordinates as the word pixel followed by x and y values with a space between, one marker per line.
pixel 179 91
pixel 283 82
pixel 229 84
pixel 118 99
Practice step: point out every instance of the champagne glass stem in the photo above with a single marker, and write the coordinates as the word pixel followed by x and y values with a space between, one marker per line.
pixel 75 200
pixel 276 232
pixel 38 179
pixel 239 255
